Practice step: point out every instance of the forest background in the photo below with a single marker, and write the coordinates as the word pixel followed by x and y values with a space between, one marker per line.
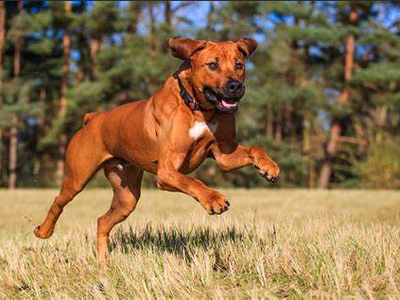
pixel 323 88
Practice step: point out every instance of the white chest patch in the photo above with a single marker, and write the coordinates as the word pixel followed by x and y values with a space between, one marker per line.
pixel 200 127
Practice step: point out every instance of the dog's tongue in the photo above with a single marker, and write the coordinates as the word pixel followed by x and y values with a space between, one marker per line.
pixel 228 103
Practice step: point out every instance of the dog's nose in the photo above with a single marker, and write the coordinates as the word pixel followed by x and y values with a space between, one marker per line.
pixel 234 87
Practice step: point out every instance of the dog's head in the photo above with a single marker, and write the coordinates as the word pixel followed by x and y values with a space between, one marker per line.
pixel 217 70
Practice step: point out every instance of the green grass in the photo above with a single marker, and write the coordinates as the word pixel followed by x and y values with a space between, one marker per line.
pixel 286 243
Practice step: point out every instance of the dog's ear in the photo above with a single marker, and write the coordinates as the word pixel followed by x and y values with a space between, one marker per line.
pixel 183 48
pixel 247 46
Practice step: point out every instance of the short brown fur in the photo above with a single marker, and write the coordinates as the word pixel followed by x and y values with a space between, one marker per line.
pixel 153 135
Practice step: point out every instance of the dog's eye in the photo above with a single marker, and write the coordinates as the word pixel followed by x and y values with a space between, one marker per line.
pixel 239 66
pixel 213 66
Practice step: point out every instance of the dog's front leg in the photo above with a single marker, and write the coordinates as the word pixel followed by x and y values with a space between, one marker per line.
pixel 170 179
pixel 231 156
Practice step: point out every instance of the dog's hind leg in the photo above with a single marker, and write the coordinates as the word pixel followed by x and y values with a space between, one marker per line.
pixel 125 180
pixel 84 157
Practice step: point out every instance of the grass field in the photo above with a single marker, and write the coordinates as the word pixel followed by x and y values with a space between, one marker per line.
pixel 271 243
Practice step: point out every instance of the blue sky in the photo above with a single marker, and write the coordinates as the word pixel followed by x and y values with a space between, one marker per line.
pixel 197 13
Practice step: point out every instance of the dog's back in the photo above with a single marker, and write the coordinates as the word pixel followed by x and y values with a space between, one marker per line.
pixel 89 116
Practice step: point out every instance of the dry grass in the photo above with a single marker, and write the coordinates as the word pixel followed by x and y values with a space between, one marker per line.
pixel 270 244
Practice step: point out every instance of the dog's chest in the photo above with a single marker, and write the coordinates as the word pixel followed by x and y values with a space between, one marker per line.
pixel 202 136
pixel 200 128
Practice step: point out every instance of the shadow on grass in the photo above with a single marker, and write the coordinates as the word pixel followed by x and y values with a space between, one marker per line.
pixel 174 240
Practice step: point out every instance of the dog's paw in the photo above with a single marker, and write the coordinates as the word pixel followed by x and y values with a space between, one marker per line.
pixel 216 204
pixel 40 233
pixel 269 171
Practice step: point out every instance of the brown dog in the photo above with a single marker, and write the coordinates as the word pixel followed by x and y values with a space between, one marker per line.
pixel 170 134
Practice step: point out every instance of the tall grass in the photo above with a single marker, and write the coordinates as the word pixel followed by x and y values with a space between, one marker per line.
pixel 269 244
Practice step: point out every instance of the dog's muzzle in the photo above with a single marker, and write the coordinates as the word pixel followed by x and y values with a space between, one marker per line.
pixel 228 102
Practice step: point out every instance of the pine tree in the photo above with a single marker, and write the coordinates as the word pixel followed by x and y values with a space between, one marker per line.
pixel 343 99
pixel 13 147
pixel 62 147
pixel 376 86
pixel 314 111
pixel 2 44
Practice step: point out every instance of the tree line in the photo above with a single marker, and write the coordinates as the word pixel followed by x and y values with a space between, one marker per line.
pixel 322 96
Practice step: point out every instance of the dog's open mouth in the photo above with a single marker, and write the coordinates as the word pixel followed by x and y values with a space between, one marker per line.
pixel 223 104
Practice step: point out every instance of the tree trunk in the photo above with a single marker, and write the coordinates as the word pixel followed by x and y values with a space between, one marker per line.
pixel 168 14
pixel 152 18
pixel 12 160
pixel 62 146
pixel 94 47
pixel 336 129
pixel 135 10
pixel 270 121
pixel 1 157
pixel 42 118
pixel 279 128
pixel 153 38
pixel 290 129
pixel 95 44
pixel 2 40
pixel 380 116
pixel 13 147
pixel 311 177
pixel 82 42
pixel 41 128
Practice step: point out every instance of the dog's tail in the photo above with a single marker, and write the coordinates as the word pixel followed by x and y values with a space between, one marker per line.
pixel 89 116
